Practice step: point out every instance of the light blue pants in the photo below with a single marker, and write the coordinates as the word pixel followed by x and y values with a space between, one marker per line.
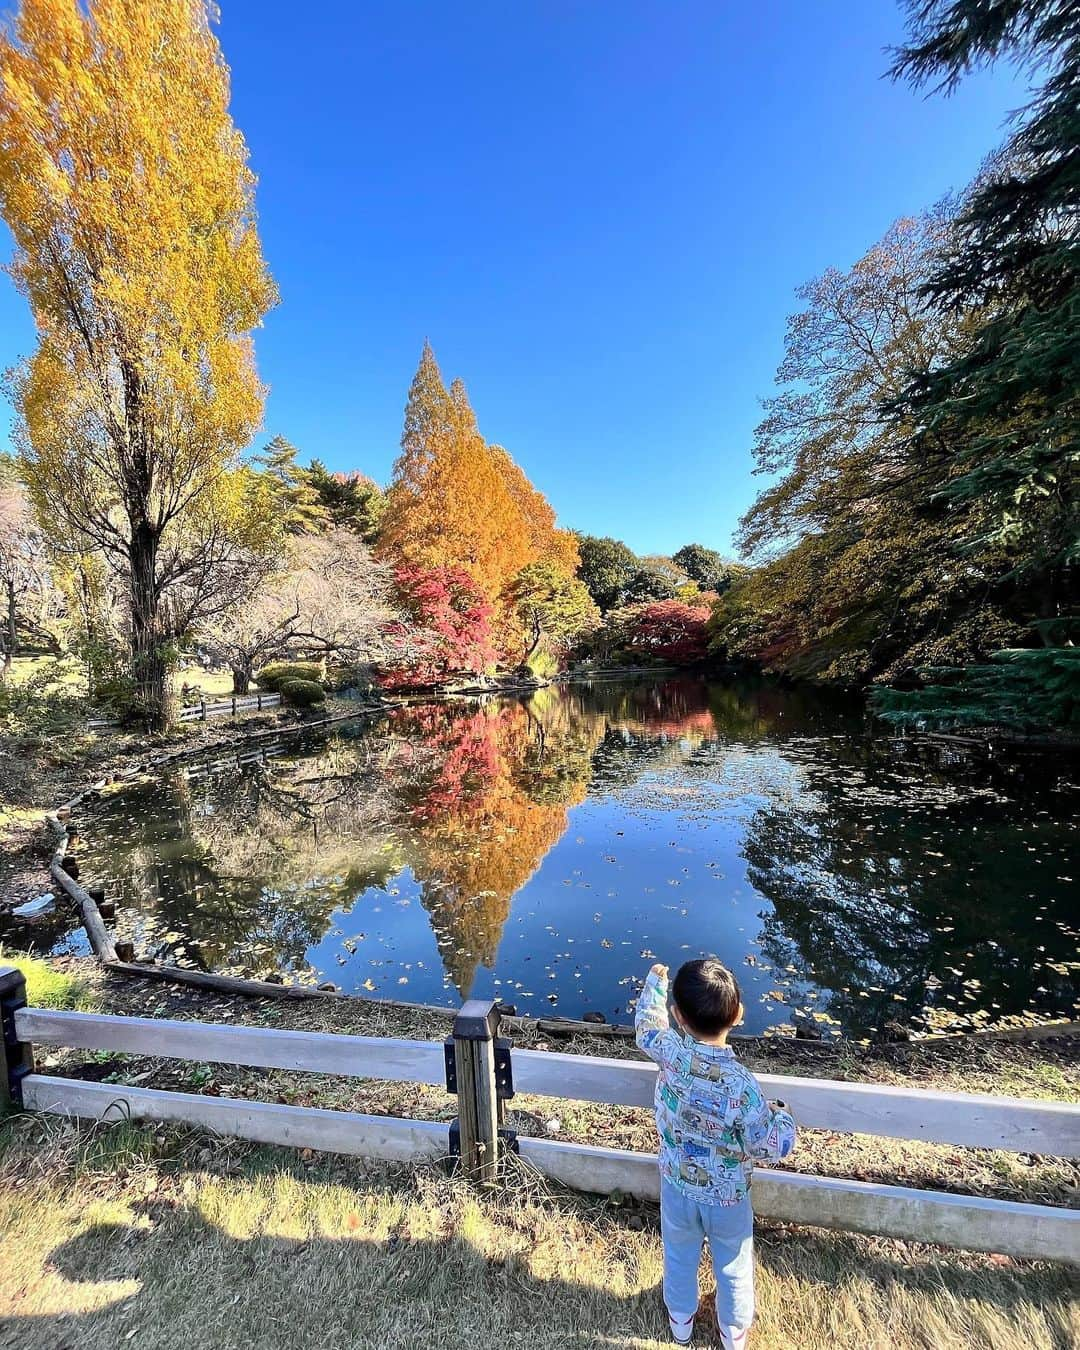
pixel 685 1223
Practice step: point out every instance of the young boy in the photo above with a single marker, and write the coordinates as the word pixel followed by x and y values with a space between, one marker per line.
pixel 713 1123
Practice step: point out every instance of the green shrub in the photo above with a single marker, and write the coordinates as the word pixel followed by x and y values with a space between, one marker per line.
pixel 301 693
pixel 542 664
pixel 273 676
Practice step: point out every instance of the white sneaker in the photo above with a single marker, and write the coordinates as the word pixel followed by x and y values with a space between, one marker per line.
pixel 734 1338
pixel 682 1328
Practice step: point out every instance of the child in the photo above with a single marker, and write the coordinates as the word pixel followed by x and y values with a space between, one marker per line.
pixel 713 1123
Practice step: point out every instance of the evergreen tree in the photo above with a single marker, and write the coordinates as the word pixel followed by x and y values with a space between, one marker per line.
pixel 649 582
pixel 704 565
pixel 294 492
pixel 1024 689
pixel 607 566
pixel 351 500
pixel 1006 409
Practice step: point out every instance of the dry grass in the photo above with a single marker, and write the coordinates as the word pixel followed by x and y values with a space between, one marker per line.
pixel 117 1235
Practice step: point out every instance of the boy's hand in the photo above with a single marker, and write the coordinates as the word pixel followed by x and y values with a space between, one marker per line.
pixel 660 971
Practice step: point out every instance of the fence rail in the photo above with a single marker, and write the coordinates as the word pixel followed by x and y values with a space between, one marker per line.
pixel 485 1073
pixel 229 707
pixel 232 706
pixel 970 1119
pixel 256 1047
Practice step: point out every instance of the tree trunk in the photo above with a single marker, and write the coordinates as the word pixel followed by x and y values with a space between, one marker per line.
pixel 149 667
pixel 12 644
pixel 537 634
pixel 241 678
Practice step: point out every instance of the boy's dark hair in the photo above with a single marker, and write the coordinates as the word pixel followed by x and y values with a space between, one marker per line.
pixel 707 995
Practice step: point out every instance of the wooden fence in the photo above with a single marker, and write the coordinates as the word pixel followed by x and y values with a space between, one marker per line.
pixel 229 707
pixel 485 1072
pixel 232 706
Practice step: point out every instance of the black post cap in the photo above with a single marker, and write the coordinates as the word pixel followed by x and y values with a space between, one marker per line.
pixel 478 1020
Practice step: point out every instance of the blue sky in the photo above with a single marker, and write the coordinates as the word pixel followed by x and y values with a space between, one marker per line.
pixel 597 211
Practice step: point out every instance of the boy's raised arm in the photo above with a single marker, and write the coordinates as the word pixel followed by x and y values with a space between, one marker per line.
pixel 652 1028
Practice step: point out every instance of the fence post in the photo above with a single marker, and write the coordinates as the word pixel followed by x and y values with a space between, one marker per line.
pixel 203 705
pixel 18 1058
pixel 234 705
pixel 258 702
pixel 478 1070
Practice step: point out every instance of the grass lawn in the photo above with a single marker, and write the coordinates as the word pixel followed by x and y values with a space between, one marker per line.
pixel 121 1235
pixel 69 675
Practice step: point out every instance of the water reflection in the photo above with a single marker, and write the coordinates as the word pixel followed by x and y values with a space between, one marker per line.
pixel 544 848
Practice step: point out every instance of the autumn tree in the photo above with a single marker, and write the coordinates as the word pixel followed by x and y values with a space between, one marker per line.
pixel 456 502
pixel 448 505
pixel 448 630
pixel 668 630
pixel 546 542
pixel 296 500
pixel 553 609
pixel 30 598
pixel 861 572
pixel 126 188
pixel 350 499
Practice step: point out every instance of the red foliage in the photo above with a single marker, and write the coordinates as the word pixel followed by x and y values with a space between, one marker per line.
pixel 670 630
pixel 452 634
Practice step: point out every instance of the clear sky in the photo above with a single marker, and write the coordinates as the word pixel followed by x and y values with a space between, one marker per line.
pixel 597 210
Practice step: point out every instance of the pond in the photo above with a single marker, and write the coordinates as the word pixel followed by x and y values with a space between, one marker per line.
pixel 547 849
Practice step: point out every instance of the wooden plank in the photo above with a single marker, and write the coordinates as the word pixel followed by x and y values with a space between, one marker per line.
pixel 971 1222
pixel 974 1223
pixel 101 940
pixel 384 1137
pixel 969 1119
pixel 263 1047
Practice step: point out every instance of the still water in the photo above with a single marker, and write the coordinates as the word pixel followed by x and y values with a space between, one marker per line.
pixel 548 849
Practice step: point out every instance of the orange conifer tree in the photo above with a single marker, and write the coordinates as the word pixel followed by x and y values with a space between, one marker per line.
pixel 457 502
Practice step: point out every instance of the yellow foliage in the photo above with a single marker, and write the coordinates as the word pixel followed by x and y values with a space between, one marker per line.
pixel 126 188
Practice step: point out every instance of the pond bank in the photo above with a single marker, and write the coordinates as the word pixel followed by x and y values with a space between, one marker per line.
pixel 1047 1069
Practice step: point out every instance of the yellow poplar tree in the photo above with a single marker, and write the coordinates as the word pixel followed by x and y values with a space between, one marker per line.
pixel 126 187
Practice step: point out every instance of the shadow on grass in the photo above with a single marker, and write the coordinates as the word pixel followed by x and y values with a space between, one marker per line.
pixel 199 1283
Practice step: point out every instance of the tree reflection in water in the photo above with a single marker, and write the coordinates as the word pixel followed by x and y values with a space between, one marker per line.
pixel 847 877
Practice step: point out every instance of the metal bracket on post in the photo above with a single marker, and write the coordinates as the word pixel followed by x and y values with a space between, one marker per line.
pixel 478 1070
pixel 18 1058
pixel 508 1141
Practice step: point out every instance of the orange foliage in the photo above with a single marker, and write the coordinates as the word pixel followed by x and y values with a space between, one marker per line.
pixel 480 834
pixel 455 501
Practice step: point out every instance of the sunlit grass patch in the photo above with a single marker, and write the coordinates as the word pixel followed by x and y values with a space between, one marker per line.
pixel 162 1237
pixel 48 987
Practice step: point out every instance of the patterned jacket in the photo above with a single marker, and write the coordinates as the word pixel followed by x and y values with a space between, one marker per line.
pixel 711 1116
